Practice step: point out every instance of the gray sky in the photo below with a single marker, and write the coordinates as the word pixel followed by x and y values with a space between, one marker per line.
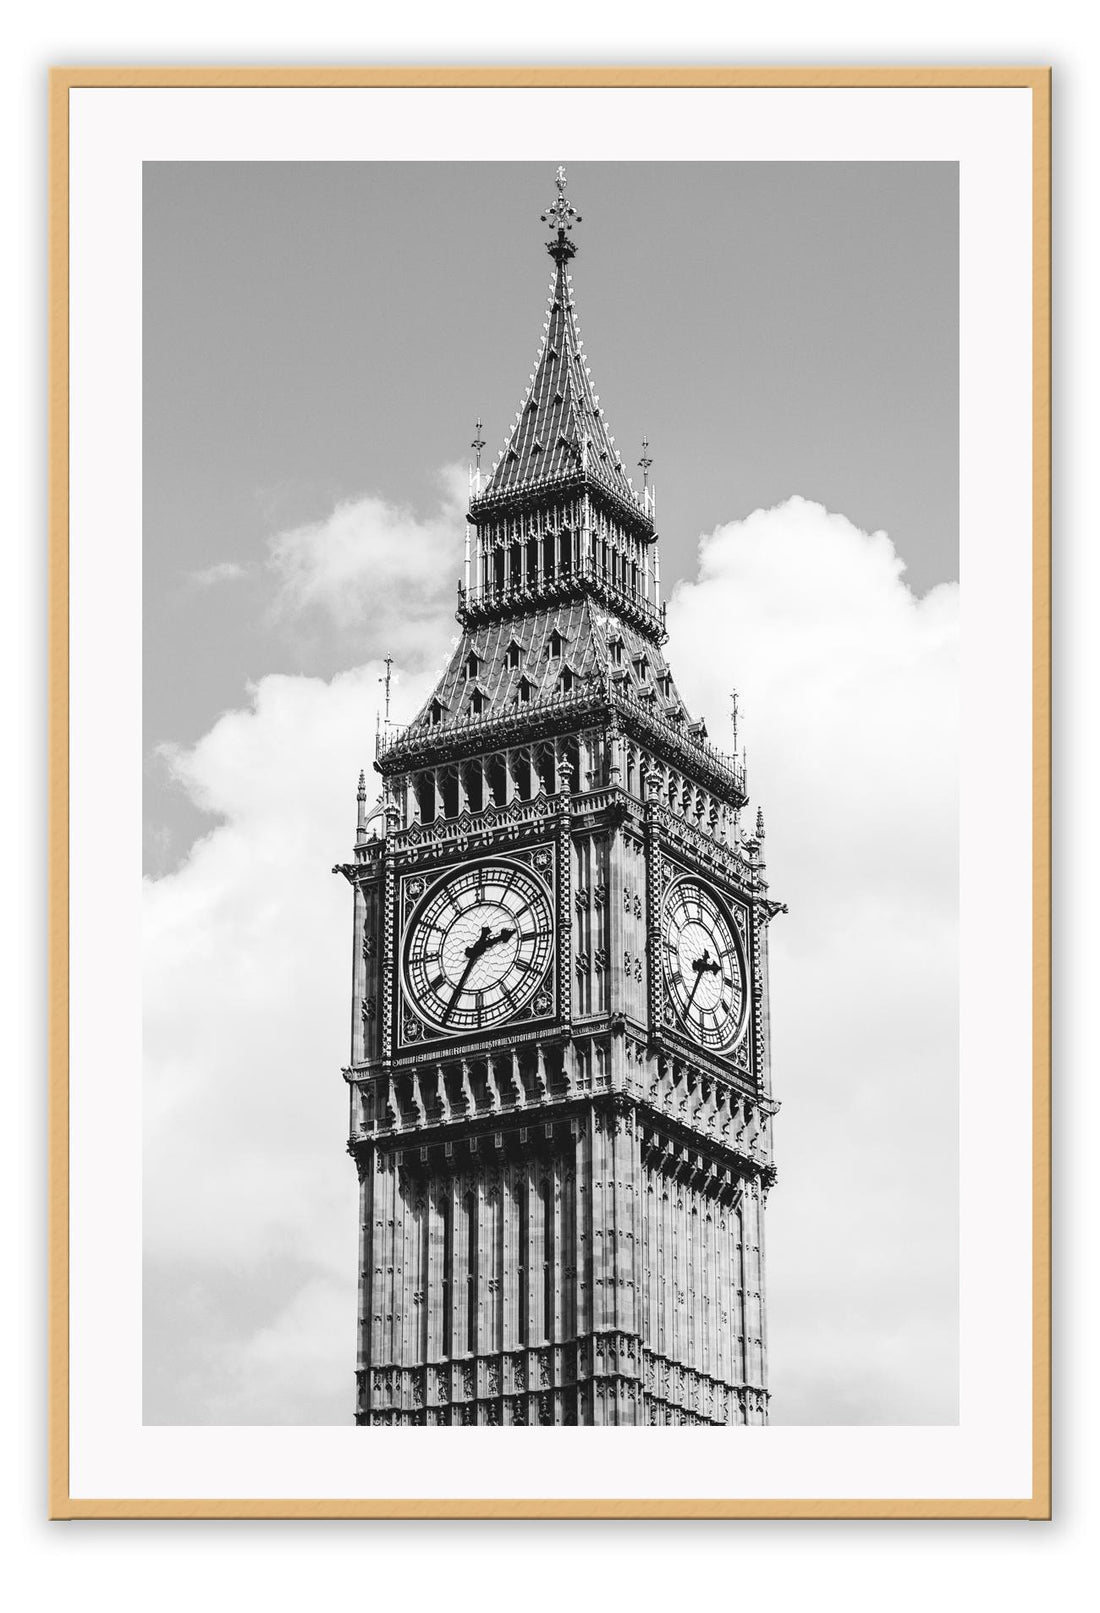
pixel 318 341
pixel 317 332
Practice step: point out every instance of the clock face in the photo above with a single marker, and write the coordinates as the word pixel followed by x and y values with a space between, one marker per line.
pixel 703 967
pixel 479 946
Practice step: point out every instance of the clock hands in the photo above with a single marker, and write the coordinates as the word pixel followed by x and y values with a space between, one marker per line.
pixel 702 966
pixel 473 952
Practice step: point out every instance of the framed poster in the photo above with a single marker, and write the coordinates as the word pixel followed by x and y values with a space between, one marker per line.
pixel 676 891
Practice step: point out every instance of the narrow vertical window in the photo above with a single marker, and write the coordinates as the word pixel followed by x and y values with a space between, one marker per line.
pixel 448 1268
pixel 471 1273
pixel 524 1267
pixel 547 1202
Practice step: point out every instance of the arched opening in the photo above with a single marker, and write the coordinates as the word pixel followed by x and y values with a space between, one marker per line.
pixel 449 792
pixel 497 780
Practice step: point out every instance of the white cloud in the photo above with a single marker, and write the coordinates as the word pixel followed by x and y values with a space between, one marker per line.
pixel 848 687
pixel 249 1199
pixel 377 561
pixel 221 571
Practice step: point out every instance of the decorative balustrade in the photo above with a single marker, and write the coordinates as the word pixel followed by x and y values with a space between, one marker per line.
pixel 470 733
pixel 433 1093
pixel 638 507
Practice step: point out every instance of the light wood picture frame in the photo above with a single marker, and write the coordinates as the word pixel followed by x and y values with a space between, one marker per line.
pixel 66 961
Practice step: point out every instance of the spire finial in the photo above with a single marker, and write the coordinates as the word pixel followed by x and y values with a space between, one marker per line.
pixel 388 659
pixel 645 462
pixel 760 823
pixel 561 216
pixel 475 485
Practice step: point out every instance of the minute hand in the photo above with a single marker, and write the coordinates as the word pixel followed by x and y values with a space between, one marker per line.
pixel 473 953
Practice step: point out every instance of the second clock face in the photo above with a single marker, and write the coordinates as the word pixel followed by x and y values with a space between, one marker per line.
pixel 703 966
pixel 478 947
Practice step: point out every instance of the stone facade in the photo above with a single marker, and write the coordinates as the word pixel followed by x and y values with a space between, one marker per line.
pixel 564 1154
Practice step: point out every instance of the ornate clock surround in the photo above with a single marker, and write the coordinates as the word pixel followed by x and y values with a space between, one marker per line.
pixel 414 1031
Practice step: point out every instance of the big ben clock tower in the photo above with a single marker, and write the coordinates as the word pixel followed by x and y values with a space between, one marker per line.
pixel 561 1108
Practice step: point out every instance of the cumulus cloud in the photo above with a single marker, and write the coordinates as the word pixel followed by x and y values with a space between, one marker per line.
pixel 378 561
pixel 249 1201
pixel 848 688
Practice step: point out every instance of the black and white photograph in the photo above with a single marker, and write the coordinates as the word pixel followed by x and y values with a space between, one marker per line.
pixel 550 793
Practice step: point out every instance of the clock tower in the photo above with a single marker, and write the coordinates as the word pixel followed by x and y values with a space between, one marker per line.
pixel 561 1109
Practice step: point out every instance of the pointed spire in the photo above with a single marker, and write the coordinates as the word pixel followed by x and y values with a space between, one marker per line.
pixel 560 429
pixel 760 823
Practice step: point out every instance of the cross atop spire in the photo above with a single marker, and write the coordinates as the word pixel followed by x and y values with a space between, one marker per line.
pixel 561 217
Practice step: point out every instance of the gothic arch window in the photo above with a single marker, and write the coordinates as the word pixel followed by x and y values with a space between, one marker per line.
pixel 514 653
pixel 497 778
pixel 473 779
pixel 555 646
pixel 477 703
pixel 435 713
pixel 523 692
pixel 523 770
pixel 473 665
pixel 548 779
pixel 498 568
pixel 566 681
